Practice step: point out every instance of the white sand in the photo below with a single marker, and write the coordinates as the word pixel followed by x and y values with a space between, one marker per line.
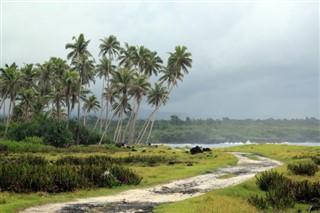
pixel 176 190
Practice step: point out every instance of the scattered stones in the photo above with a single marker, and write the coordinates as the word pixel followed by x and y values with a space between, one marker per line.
pixel 143 207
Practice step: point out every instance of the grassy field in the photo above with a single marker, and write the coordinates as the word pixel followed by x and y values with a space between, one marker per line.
pixel 234 199
pixel 231 199
pixel 151 175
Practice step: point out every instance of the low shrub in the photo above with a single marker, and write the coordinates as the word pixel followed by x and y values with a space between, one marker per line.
pixel 33 140
pixel 307 192
pixel 283 193
pixel 303 167
pixel 258 201
pixel 269 179
pixel 56 134
pixel 281 196
pixel 32 174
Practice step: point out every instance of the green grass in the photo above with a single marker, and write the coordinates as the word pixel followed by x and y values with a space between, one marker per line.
pixel 234 199
pixel 226 176
pixel 251 156
pixel 13 202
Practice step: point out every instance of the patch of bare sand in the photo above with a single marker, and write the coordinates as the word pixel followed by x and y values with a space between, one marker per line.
pixel 143 200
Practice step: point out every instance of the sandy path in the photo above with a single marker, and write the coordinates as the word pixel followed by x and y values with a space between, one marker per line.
pixel 143 200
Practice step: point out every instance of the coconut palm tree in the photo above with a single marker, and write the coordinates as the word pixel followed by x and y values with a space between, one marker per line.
pixel 110 46
pixel 140 88
pixel 28 76
pixel 26 98
pixel 80 59
pixel 69 80
pixel 153 64
pixel 156 97
pixel 90 104
pixel 78 48
pixel 127 55
pixel 10 78
pixel 104 71
pixel 178 64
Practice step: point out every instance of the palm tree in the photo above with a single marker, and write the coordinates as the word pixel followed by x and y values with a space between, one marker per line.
pixel 121 82
pixel 10 79
pixel 70 79
pixel 78 48
pixel 179 61
pixel 26 98
pixel 139 89
pixel 110 46
pixel 156 97
pixel 153 64
pixel 127 55
pixel 28 76
pixel 90 104
pixel 104 72
pixel 79 56
pixel 178 64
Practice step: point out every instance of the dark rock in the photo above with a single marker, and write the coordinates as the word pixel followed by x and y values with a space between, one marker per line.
pixel 171 162
pixel 189 164
pixel 143 151
pixel 133 150
pixel 195 150
pixel 206 149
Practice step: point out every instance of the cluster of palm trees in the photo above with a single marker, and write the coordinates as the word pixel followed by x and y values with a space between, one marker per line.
pixel 56 87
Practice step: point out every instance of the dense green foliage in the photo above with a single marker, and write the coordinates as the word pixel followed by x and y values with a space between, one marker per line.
pixel 177 130
pixel 54 132
pixel 283 193
pixel 33 174
pixel 303 167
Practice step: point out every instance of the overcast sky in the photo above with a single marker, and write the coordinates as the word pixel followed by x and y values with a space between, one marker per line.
pixel 250 59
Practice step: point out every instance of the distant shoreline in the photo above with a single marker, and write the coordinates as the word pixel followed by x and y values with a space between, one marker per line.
pixel 229 144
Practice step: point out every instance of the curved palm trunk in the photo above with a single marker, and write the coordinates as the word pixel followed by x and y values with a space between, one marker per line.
pixel 107 125
pixel 144 129
pixel 102 107
pixel 151 127
pixel 129 125
pixel 8 118
pixel 133 126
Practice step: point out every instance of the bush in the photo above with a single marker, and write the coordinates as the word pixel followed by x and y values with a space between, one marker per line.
pixel 33 140
pixel 281 196
pixel 307 192
pixel 269 179
pixel 56 134
pixel 258 202
pixel 303 167
pixel 32 174
pixel 20 131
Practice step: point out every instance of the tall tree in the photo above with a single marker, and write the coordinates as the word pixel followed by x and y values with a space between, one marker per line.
pixel 90 104
pixel 10 78
pixel 140 88
pixel 110 47
pixel 156 97
pixel 178 64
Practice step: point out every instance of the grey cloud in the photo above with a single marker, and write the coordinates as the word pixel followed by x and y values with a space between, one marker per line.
pixel 249 59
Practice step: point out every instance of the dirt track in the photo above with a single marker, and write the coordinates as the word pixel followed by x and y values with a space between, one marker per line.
pixel 143 200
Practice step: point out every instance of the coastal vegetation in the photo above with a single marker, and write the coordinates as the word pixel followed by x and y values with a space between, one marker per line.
pixel 54 90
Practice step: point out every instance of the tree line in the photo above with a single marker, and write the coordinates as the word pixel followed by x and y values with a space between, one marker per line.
pixel 58 87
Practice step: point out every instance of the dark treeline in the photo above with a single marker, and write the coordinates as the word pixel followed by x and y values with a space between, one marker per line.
pixel 177 130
